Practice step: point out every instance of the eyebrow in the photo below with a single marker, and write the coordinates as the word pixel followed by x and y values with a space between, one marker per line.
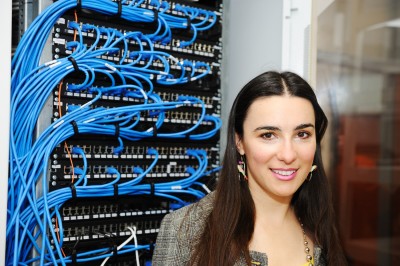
pixel 303 126
pixel 272 128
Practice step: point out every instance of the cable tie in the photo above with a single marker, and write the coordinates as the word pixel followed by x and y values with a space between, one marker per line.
pixel 73 191
pixel 189 23
pixel 115 251
pixel 75 127
pixel 152 189
pixel 155 16
pixel 117 130
pixel 73 257
pixel 119 12
pixel 116 190
pixel 74 64
pixel 78 5
pixel 154 131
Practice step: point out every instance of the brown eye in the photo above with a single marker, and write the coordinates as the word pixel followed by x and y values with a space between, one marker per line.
pixel 303 135
pixel 268 135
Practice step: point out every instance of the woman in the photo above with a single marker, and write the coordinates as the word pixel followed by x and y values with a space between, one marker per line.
pixel 272 204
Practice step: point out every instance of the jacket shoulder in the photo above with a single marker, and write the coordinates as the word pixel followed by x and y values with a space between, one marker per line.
pixel 180 231
pixel 193 214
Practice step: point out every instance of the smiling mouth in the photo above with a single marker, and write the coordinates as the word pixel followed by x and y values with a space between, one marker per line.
pixel 284 175
pixel 284 172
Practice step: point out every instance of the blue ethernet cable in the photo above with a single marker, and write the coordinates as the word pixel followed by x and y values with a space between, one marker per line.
pixel 54 144
pixel 72 86
pixel 42 25
pixel 57 193
pixel 90 129
pixel 151 151
pixel 100 114
pixel 122 190
pixel 82 68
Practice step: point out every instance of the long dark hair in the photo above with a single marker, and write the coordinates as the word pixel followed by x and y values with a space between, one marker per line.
pixel 230 225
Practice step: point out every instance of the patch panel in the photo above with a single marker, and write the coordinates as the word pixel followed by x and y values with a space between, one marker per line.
pixel 97 173
pixel 202 48
pixel 93 221
pixel 96 149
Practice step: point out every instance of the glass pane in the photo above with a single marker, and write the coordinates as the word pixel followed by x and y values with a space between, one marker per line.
pixel 358 80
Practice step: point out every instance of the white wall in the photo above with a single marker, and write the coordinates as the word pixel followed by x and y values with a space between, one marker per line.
pixel 252 44
pixel 262 35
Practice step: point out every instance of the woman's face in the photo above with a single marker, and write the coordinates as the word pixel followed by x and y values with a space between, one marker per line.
pixel 279 144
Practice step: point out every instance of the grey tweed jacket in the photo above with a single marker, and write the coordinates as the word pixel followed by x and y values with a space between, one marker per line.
pixel 181 229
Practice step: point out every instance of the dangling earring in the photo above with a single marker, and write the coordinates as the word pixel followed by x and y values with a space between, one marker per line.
pixel 242 168
pixel 311 171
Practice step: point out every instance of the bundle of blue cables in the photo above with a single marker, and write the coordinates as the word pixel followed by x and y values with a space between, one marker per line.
pixel 32 209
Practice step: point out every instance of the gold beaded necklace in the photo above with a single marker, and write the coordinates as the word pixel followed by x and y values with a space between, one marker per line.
pixel 306 248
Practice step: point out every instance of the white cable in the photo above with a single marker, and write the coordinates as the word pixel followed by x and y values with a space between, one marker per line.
pixel 136 244
pixel 133 235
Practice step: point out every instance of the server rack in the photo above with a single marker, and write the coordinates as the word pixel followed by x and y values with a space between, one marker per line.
pixel 115 123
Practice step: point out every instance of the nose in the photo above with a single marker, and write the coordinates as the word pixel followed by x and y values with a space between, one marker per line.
pixel 287 152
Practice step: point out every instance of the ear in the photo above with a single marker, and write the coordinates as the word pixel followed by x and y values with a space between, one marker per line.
pixel 239 144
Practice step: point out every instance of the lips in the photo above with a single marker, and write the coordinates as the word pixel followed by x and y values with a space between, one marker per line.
pixel 284 174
